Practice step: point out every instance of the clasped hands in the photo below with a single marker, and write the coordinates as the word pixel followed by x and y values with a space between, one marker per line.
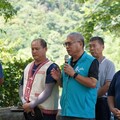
pixel 27 108
pixel 116 112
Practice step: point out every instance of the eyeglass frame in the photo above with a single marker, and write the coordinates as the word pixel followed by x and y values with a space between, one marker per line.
pixel 69 43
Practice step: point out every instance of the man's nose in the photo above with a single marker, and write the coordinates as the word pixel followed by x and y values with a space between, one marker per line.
pixel 33 50
pixel 91 48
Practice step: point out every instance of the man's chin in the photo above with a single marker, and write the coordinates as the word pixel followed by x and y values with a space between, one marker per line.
pixel 35 58
pixel 94 55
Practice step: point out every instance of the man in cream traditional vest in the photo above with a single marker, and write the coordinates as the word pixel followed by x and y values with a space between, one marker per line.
pixel 38 88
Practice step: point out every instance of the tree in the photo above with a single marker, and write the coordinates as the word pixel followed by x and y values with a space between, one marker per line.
pixel 6 9
pixel 104 15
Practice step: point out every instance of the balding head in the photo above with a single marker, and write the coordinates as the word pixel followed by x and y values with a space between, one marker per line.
pixel 41 41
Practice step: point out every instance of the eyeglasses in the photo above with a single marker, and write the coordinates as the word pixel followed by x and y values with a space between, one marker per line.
pixel 69 43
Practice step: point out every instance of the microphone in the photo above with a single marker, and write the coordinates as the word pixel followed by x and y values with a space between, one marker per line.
pixel 66 58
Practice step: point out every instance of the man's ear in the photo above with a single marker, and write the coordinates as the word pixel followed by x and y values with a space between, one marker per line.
pixel 103 46
pixel 81 43
pixel 46 48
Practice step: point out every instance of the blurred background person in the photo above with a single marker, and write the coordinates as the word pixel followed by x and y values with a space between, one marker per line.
pixel 114 96
pixel 106 72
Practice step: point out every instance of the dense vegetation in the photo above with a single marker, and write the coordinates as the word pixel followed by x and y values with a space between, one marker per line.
pixel 9 90
pixel 51 20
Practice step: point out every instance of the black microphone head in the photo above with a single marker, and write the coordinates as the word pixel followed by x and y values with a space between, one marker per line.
pixel 66 58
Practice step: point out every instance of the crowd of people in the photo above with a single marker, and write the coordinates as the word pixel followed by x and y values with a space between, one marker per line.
pixel 90 86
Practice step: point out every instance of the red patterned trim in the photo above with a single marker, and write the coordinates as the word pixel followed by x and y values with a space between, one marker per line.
pixel 31 79
pixel 49 111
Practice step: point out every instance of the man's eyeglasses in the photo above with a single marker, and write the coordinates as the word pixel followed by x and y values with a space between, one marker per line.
pixel 69 43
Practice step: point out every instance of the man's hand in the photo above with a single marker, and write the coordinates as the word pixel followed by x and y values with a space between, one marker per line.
pixel 116 112
pixel 27 108
pixel 69 70
pixel 56 74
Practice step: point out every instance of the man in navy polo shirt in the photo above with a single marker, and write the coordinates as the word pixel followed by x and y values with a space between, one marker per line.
pixel 114 96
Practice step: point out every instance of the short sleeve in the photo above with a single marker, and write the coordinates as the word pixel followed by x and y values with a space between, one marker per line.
pixel 49 78
pixel 111 91
pixel 94 69
pixel 110 71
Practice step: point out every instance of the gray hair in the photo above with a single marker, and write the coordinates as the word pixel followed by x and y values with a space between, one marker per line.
pixel 77 36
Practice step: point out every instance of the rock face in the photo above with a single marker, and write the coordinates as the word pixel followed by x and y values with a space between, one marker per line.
pixel 11 114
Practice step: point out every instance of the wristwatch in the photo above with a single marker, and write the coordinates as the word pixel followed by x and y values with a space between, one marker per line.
pixel 75 75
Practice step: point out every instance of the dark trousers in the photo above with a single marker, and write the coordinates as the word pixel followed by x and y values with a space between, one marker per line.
pixel 102 109
pixel 49 116
pixel 36 116
pixel 39 115
pixel 116 118
pixel 74 118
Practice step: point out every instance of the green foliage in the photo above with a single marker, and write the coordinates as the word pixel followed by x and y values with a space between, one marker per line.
pixel 6 10
pixel 47 19
pixel 52 20
pixel 104 15
pixel 112 50
pixel 9 49
pixel 12 74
